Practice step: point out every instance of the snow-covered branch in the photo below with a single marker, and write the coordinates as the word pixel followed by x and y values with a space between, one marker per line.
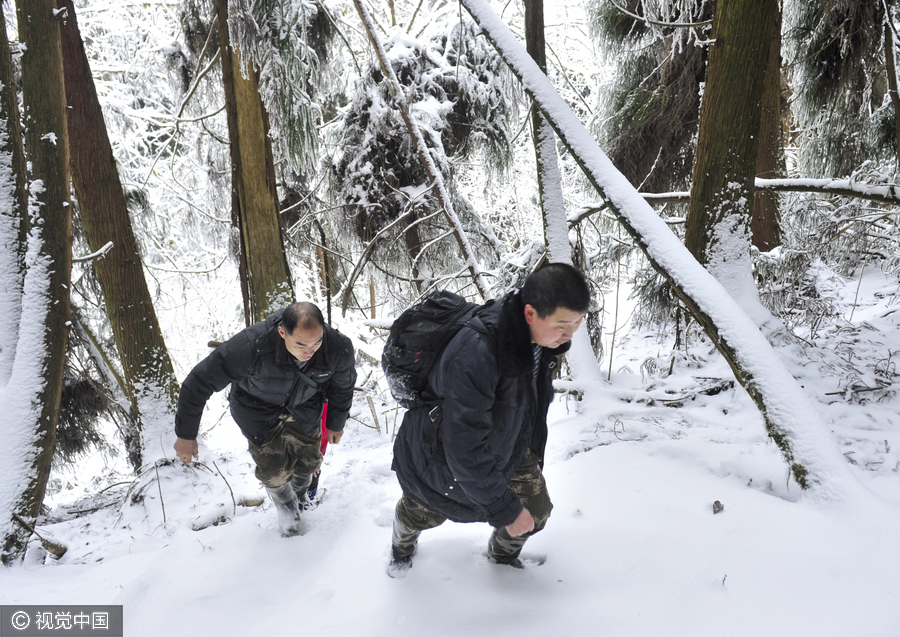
pixel 659 23
pixel 886 193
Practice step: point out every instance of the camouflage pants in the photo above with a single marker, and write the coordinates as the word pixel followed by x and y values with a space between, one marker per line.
pixel 411 518
pixel 287 451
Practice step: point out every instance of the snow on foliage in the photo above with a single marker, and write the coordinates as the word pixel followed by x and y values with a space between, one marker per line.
pixel 650 108
pixel 286 42
pixel 843 110
pixel 455 88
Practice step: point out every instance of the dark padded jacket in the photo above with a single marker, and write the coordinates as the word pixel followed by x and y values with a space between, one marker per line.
pixel 459 465
pixel 266 380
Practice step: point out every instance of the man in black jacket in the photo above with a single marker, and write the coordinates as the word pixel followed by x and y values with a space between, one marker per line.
pixel 282 371
pixel 478 455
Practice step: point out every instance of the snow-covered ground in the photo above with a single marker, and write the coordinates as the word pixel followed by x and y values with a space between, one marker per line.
pixel 633 547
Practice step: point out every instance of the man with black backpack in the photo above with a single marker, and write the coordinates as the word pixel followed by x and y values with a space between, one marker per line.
pixel 472 449
pixel 282 372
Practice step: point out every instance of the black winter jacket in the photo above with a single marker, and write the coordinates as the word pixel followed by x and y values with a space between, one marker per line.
pixel 459 465
pixel 266 380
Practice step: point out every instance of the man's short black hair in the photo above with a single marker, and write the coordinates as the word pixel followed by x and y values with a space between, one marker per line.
pixel 307 315
pixel 556 285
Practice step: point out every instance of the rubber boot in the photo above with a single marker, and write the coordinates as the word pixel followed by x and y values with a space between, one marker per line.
pixel 505 549
pixel 313 488
pixel 404 543
pixel 300 484
pixel 287 508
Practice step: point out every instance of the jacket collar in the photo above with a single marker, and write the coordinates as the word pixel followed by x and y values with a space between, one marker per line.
pixel 515 350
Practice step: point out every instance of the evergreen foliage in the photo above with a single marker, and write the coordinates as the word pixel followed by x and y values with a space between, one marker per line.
pixel 650 110
pixel 287 41
pixel 837 54
pixel 81 408
pixel 457 90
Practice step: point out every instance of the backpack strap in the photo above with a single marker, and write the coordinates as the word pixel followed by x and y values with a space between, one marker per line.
pixel 436 412
pixel 309 381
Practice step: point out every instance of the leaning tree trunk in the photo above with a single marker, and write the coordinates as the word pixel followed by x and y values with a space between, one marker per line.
pixel 265 275
pixel 149 377
pixel 765 226
pixel 13 220
pixel 37 382
pixel 718 223
pixel 811 453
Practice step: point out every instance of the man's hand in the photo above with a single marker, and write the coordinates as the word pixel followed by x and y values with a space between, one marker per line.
pixel 521 525
pixel 334 437
pixel 186 450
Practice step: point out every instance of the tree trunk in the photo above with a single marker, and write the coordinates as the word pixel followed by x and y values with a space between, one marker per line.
pixel 810 451
pixel 148 373
pixel 891 71
pixel 765 226
pixel 727 141
pixel 13 218
pixel 265 275
pixel 556 231
pixel 717 231
pixel 582 356
pixel 45 312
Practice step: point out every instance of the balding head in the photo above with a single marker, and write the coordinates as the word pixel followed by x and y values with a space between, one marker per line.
pixel 305 315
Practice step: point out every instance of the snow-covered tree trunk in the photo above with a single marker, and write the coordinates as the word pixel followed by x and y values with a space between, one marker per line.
pixel 31 397
pixel 790 417
pixel 718 223
pixel 13 203
pixel 553 207
pixel 148 373
pixel 265 275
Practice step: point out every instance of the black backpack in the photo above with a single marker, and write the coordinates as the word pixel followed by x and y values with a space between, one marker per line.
pixel 416 340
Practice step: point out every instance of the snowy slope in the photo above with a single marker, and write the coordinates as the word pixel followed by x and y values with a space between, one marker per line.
pixel 633 547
